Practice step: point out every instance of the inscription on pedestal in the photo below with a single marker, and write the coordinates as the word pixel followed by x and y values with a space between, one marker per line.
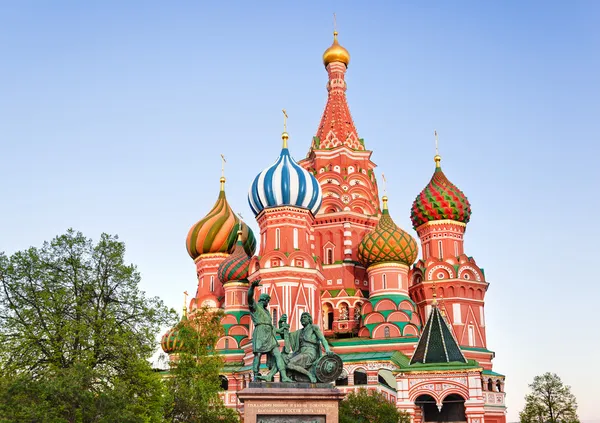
pixel 292 419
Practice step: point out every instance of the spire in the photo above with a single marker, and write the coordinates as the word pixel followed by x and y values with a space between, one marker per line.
pixel 285 136
pixel 185 310
pixel 437 343
pixel 336 127
pixel 437 158
pixel 222 180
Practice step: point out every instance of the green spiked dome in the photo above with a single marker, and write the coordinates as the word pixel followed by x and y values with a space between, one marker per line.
pixel 440 200
pixel 387 243
pixel 217 231
pixel 235 267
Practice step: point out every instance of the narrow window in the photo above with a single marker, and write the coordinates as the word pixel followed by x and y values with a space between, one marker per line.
pixel 471 336
pixel 329 256
pixel 456 248
pixel 226 343
pixel 440 250
pixel 384 281
pixel 426 251
pixel 212 284
pixel 386 332
pixel 275 318
pixel 296 238
pixel 277 233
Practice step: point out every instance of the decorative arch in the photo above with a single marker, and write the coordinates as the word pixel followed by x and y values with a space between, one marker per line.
pixel 374 318
pixel 406 305
pixel 398 316
pixel 410 330
pixel 432 273
pixel 379 332
pixel 385 304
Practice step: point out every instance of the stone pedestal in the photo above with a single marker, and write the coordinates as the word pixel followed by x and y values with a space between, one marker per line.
pixel 273 402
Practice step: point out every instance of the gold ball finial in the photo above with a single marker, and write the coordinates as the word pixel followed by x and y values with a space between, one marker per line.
pixel 336 53
pixel 285 136
pixel 222 181
pixel 385 201
pixel 437 159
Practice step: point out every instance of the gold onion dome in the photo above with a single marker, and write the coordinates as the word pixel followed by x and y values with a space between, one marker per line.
pixel 387 243
pixel 336 53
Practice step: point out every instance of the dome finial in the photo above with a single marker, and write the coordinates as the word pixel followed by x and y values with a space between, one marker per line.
pixel 222 180
pixel 384 198
pixel 284 135
pixel 336 53
pixel 437 158
pixel 185 295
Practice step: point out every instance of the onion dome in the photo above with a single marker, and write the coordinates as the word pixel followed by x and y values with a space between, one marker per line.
pixel 235 267
pixel 336 53
pixel 285 183
pixel 217 231
pixel 171 341
pixel 440 200
pixel 387 243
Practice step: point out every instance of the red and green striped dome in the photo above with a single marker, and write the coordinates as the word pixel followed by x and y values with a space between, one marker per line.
pixel 440 200
pixel 387 243
pixel 235 267
pixel 217 231
pixel 171 342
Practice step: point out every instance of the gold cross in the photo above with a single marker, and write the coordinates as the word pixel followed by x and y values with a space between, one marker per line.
pixel 334 24
pixel 223 161
pixel 384 182
pixel 285 116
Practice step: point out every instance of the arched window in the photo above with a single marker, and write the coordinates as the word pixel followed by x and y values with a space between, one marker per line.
pixel 224 382
pixel 226 343
pixel 499 386
pixel 329 258
pixel 386 332
pixel 471 329
pixel 360 377
pixel 275 317
pixel 296 238
pixel 277 234
pixel 490 385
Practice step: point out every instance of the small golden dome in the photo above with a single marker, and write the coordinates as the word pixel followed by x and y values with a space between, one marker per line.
pixel 336 53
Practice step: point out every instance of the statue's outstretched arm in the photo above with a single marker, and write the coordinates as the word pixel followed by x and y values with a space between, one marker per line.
pixel 251 303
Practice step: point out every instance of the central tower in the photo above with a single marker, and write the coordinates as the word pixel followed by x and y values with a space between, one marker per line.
pixel 343 167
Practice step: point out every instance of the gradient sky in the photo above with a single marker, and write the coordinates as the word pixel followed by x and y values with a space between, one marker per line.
pixel 113 115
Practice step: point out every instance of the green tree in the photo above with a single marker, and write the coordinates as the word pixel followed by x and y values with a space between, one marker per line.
pixel 76 333
pixel 193 384
pixel 550 401
pixel 364 406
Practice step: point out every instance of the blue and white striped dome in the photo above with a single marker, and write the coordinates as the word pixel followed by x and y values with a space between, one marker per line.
pixel 285 183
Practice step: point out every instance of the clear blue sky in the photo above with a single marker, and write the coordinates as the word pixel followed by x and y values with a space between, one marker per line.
pixel 113 115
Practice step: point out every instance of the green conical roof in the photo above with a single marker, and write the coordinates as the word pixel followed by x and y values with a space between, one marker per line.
pixel 437 343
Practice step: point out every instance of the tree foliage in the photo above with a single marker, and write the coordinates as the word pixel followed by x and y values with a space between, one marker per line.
pixel 550 401
pixel 194 383
pixel 75 335
pixel 364 406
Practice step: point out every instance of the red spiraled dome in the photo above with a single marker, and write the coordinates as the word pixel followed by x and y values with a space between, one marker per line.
pixel 440 200
pixel 235 267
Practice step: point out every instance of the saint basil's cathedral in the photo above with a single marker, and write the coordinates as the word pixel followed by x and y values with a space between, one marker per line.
pixel 410 327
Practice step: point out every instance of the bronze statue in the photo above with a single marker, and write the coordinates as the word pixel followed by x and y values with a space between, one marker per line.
pixel 263 337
